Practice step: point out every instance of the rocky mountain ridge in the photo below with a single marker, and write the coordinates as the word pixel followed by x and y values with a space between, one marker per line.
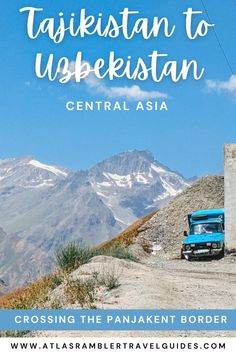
pixel 43 207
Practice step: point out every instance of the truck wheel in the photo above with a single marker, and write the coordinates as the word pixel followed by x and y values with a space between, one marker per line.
pixel 222 253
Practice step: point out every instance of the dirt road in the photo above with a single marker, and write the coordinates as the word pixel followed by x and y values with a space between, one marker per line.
pixel 168 284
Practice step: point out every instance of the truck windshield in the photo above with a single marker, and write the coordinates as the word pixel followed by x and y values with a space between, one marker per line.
pixel 199 229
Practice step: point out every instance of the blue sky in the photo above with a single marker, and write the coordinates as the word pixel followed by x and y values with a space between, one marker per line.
pixel 188 138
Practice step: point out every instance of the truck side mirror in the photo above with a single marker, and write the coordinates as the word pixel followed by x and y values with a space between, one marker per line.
pixel 185 234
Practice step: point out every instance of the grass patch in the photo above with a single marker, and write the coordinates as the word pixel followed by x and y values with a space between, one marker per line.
pixel 84 291
pixel 81 291
pixel 31 296
pixel 73 255
pixel 56 304
pixel 14 334
pixel 110 277
pixel 117 251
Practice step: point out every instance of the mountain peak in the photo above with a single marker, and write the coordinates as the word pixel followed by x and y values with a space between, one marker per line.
pixel 139 154
pixel 25 158
pixel 124 162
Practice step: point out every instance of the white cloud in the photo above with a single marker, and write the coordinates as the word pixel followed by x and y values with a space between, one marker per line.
pixel 131 93
pixel 222 86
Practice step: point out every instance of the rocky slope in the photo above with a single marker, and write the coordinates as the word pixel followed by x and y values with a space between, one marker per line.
pixel 164 231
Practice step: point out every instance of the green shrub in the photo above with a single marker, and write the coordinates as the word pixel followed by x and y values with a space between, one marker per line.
pixel 73 255
pixel 110 278
pixel 56 280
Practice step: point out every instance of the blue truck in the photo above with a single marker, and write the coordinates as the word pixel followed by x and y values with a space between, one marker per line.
pixel 206 235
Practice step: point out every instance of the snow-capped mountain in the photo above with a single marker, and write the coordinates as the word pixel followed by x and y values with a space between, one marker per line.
pixel 24 182
pixel 132 183
pixel 43 207
pixel 129 184
pixel 29 173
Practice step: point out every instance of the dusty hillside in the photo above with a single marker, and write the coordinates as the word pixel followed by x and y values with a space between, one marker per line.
pixel 164 231
pixel 128 236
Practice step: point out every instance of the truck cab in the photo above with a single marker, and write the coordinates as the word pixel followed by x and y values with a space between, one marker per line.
pixel 205 237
